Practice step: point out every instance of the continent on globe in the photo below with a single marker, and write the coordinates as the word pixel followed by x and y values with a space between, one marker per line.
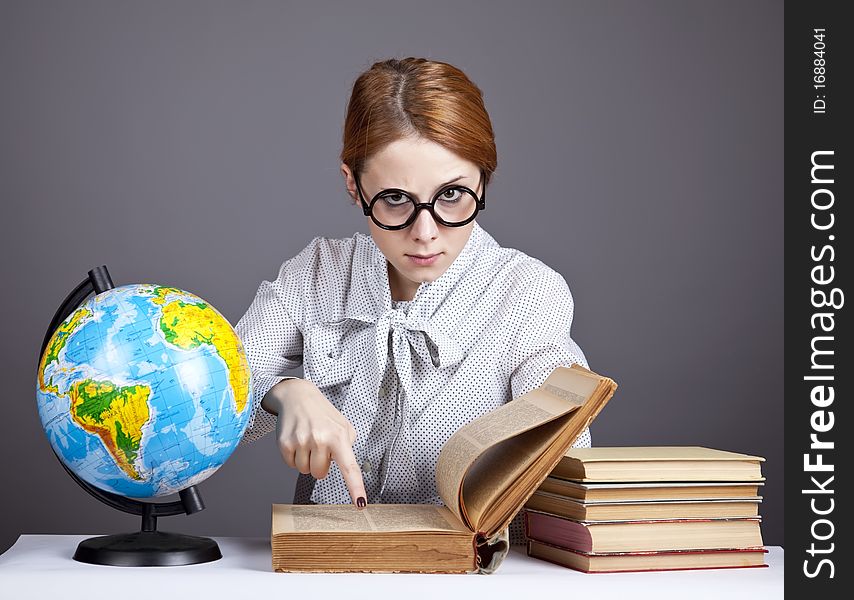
pixel 116 415
pixel 188 325
pixel 57 343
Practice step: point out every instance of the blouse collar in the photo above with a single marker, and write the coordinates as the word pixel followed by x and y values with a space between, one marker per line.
pixel 370 301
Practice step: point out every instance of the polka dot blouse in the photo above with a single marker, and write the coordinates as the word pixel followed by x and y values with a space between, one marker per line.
pixel 407 375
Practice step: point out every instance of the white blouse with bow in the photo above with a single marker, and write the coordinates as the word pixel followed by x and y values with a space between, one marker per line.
pixel 407 375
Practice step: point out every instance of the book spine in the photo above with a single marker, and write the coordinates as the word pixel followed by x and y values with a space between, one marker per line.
pixel 477 560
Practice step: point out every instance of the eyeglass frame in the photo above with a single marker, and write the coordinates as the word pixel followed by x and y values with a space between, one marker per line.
pixel 368 208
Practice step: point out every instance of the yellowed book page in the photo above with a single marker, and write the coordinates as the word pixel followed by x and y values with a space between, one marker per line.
pixel 378 552
pixel 565 390
pixel 614 536
pixel 501 467
pixel 496 506
pixel 340 518
pixel 471 440
pixel 655 453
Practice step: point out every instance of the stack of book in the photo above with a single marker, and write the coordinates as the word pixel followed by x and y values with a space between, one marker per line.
pixel 648 509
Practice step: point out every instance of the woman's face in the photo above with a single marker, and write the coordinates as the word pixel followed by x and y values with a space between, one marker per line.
pixel 425 249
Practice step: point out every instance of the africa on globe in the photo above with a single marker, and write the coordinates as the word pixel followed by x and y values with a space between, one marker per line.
pixel 144 390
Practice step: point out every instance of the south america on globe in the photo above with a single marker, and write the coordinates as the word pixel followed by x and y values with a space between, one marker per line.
pixel 144 390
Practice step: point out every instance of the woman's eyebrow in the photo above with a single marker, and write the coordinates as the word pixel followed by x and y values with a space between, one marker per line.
pixel 452 181
pixel 455 179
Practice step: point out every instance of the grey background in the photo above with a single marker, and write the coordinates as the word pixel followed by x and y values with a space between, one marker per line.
pixel 195 144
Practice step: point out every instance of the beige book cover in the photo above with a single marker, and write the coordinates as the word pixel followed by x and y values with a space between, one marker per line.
pixel 658 463
pixel 648 509
pixel 484 473
pixel 623 562
pixel 590 492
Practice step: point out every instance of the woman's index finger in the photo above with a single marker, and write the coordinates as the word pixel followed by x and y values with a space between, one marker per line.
pixel 350 470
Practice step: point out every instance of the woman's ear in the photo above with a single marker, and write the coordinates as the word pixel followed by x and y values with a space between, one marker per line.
pixel 349 183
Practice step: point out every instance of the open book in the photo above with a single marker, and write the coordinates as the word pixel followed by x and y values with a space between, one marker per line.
pixel 485 473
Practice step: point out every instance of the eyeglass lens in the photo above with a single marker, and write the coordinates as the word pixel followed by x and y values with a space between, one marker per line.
pixel 454 205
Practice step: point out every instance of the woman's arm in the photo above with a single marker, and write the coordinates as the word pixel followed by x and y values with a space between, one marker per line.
pixel 273 344
pixel 543 344
pixel 544 341
pixel 310 431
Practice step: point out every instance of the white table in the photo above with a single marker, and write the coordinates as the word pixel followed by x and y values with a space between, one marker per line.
pixel 41 567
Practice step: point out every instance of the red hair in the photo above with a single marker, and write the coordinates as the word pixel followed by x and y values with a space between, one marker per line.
pixel 400 98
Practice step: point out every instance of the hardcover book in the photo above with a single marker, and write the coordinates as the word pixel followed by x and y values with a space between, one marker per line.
pixel 658 463
pixel 643 535
pixel 484 474
pixel 590 492
pixel 671 560
pixel 633 511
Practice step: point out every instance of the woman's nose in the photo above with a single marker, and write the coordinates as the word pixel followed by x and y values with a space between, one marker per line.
pixel 425 227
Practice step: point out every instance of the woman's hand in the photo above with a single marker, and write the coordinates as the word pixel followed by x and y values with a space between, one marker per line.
pixel 311 433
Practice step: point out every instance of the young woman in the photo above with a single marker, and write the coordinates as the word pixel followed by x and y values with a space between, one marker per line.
pixel 410 332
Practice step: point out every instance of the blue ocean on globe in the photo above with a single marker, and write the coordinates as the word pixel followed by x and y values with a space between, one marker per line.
pixel 144 390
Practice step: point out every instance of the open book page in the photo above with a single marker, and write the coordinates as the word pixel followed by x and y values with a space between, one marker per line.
pixel 337 518
pixel 565 390
pixel 497 473
pixel 473 439
pixel 496 508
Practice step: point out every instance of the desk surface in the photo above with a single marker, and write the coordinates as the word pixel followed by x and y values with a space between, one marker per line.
pixel 40 566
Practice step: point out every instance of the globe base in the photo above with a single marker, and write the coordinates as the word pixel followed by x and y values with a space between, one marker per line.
pixel 147 549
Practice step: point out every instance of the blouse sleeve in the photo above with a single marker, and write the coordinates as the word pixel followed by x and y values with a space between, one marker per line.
pixel 544 342
pixel 273 343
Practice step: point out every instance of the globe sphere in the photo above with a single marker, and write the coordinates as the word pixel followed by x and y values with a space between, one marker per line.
pixel 144 390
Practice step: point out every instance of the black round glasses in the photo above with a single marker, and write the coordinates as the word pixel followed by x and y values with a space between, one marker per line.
pixel 452 206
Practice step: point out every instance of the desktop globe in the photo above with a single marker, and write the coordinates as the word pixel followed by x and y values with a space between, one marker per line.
pixel 143 391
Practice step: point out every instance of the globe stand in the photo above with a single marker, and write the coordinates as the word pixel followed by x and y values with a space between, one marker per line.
pixel 147 547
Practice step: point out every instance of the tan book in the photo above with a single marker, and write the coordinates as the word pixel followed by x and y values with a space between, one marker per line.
pixel 618 562
pixel 642 536
pixel 633 511
pixel 657 463
pixel 484 474
pixel 650 490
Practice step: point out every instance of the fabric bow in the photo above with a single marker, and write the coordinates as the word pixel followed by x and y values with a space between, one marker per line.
pixel 406 335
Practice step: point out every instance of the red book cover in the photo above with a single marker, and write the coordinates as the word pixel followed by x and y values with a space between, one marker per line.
pixel 576 535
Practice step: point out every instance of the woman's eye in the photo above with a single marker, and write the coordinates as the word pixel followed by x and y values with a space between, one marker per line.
pixel 451 195
pixel 395 199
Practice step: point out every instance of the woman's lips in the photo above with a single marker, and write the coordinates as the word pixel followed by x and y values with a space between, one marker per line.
pixel 423 260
